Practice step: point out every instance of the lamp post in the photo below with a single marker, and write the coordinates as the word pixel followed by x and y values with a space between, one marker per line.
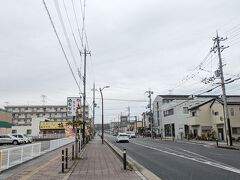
pixel 101 89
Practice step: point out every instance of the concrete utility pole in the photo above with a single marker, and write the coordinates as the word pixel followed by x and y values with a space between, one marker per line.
pixel 150 110
pixel 84 93
pixel 219 48
pixel 94 104
pixel 136 124
pixel 128 113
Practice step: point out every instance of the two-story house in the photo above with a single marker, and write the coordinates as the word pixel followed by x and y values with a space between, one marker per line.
pixel 209 116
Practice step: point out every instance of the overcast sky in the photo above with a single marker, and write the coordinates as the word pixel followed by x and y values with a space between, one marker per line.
pixel 135 45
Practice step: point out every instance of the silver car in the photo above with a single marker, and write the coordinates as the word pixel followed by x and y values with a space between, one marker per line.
pixel 22 138
pixel 9 139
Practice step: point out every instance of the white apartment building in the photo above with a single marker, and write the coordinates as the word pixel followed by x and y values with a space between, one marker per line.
pixel 158 107
pixel 23 115
pixel 171 111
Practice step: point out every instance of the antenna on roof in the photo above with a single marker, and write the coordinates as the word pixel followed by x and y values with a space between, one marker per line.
pixel 170 92
pixel 43 99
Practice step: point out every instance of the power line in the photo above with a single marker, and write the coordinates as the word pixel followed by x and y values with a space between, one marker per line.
pixel 60 43
pixel 127 100
pixel 75 16
pixel 191 75
pixel 65 33
pixel 74 37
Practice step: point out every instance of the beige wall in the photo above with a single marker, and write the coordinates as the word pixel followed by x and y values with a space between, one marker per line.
pixel 202 117
pixel 206 117
pixel 5 130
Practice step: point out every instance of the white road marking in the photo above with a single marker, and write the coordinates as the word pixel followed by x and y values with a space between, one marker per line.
pixel 196 159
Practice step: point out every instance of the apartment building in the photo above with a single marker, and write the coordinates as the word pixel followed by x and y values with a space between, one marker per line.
pixel 23 115
pixel 171 111
pixel 162 110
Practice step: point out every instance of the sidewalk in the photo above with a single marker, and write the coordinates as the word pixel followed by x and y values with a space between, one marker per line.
pixel 100 163
pixel 45 167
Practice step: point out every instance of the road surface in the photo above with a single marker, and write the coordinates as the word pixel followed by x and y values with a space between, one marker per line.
pixel 181 161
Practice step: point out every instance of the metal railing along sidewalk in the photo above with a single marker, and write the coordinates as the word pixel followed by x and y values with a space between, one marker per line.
pixel 16 155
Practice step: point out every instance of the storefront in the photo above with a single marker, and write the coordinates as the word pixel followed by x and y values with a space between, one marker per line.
pixel 52 127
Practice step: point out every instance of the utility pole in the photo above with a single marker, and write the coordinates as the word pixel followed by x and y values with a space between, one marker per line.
pixel 150 110
pixel 43 96
pixel 84 92
pixel 219 48
pixel 136 124
pixel 128 113
pixel 94 104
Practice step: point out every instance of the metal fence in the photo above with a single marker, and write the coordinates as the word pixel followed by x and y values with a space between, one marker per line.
pixel 49 136
pixel 54 144
pixel 17 155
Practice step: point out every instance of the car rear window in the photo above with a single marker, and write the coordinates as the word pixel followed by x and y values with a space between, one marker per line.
pixel 123 135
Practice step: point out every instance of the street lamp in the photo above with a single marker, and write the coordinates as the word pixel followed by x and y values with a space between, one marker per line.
pixel 101 89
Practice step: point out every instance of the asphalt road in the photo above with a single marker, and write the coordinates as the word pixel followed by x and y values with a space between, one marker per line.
pixel 182 161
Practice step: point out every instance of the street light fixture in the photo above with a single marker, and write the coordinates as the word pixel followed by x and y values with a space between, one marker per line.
pixel 101 89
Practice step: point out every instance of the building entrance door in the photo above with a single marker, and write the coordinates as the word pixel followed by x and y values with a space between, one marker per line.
pixel 220 134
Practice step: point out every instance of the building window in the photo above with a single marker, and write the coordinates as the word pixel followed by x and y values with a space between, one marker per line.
pixel 232 111
pixel 29 131
pixel 168 112
pixel 14 131
pixel 194 113
pixel 26 108
pixel 55 109
pixel 185 110
pixel 215 113
pixel 236 130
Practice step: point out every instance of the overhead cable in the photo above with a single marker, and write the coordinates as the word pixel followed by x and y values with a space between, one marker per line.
pixel 60 43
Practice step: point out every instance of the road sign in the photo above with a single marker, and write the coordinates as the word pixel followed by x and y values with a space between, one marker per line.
pixel 72 104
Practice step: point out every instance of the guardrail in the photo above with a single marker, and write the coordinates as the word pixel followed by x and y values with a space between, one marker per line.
pixel 17 155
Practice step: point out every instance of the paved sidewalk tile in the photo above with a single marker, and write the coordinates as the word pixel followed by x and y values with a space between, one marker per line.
pixel 45 167
pixel 100 163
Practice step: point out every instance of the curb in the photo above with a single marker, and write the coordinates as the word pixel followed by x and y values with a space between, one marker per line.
pixel 228 147
pixel 142 172
pixel 66 177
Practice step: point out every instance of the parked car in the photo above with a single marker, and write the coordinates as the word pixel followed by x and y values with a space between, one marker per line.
pixel 9 139
pixel 122 137
pixel 22 137
pixel 131 134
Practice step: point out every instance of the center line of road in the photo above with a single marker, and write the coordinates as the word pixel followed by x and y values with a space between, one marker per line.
pixel 203 161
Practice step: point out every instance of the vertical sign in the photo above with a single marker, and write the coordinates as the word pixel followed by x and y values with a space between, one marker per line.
pixel 72 104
